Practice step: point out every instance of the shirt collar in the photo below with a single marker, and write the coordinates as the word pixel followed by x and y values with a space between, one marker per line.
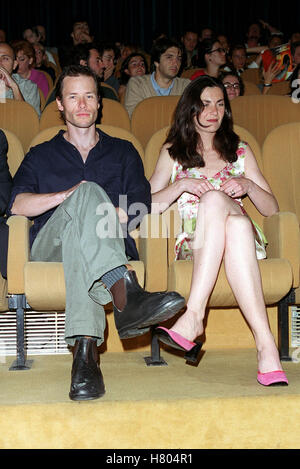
pixel 161 91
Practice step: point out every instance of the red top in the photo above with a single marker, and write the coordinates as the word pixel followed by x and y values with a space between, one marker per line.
pixel 197 74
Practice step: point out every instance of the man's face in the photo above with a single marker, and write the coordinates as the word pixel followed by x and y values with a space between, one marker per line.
pixel 94 62
pixel 169 64
pixel 206 33
pixel 190 41
pixel 7 60
pixel 42 32
pixel 254 31
pixel 296 57
pixel 79 102
pixel 80 31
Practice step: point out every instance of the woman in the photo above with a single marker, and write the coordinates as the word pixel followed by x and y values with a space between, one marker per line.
pixel 25 56
pixel 211 57
pixel 134 65
pixel 233 84
pixel 211 169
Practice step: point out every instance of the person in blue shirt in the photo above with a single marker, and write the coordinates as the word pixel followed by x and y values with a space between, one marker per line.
pixel 83 189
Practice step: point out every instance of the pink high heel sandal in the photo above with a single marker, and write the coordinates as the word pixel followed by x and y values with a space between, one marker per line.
pixel 272 378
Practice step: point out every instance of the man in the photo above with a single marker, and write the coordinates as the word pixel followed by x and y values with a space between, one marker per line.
pixel 16 87
pixel 166 57
pixel 88 55
pixel 108 65
pixel 76 204
pixel 5 190
pixel 189 40
pixel 81 33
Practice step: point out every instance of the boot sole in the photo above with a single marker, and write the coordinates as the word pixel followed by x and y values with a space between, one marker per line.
pixel 84 398
pixel 169 310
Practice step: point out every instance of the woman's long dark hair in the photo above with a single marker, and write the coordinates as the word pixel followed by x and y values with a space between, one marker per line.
pixel 183 137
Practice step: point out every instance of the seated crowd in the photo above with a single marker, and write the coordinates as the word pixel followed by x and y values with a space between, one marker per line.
pixel 92 166
pixel 29 67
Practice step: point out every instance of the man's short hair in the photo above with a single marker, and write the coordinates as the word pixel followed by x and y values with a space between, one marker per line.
pixel 82 52
pixel 76 71
pixel 160 46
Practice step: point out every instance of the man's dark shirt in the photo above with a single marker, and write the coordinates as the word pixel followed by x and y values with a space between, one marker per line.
pixel 5 190
pixel 57 165
pixel 5 177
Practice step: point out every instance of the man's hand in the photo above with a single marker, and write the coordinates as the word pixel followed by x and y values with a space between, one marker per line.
pixel 68 192
pixel 5 76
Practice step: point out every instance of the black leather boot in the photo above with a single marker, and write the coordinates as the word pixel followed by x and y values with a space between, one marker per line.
pixel 143 309
pixel 87 380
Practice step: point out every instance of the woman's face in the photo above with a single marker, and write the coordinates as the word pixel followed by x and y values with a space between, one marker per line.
pixel 24 62
pixel 239 58
pixel 217 54
pixel 232 86
pixel 212 114
pixel 136 66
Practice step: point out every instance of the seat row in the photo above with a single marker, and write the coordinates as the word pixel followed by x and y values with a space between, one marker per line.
pixel 40 286
pixel 257 113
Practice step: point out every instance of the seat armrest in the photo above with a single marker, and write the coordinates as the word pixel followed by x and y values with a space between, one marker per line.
pixel 282 233
pixel 18 252
pixel 153 252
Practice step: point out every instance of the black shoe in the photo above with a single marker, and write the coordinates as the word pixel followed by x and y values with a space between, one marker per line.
pixel 87 380
pixel 144 309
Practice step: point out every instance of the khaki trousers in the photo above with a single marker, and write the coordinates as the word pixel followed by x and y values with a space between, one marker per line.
pixel 84 234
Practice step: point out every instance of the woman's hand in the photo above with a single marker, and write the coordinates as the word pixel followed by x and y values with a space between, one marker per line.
pixel 236 187
pixel 195 186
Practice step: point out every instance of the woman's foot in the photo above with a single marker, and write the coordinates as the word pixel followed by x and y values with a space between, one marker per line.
pixel 268 358
pixel 189 325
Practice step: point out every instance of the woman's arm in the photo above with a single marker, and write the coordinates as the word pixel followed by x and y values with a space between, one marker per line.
pixel 163 194
pixel 254 185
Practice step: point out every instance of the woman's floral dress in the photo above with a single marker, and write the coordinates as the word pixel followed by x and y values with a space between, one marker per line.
pixel 188 205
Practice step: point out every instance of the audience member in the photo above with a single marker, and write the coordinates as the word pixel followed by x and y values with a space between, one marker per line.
pixel 211 170
pixel 253 35
pixel 68 214
pixel 25 56
pixel 233 84
pixel 81 33
pixel 223 40
pixel 107 65
pixel 206 33
pixel 88 55
pixel 295 52
pixel 166 56
pixel 211 57
pixel 16 87
pixel 32 35
pixel 237 58
pixel 5 190
pixel 41 62
pixel 189 40
pixel 124 51
pixel 135 65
